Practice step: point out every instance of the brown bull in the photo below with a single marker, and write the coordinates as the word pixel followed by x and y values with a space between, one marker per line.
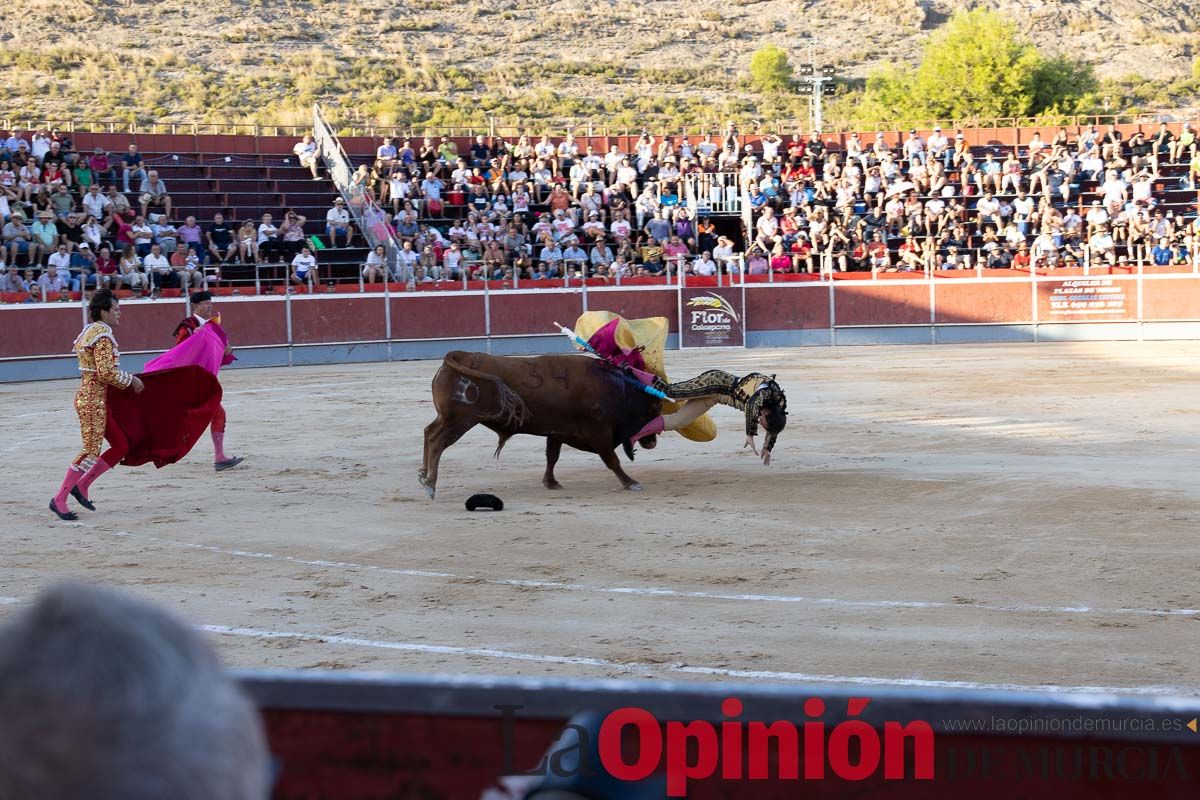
pixel 570 399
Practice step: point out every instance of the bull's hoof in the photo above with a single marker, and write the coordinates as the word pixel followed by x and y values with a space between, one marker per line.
pixel 552 484
pixel 429 490
pixel 635 487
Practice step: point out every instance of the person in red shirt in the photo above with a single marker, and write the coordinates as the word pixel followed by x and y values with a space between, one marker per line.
pixel 1021 259
pixel 106 268
pixel 202 312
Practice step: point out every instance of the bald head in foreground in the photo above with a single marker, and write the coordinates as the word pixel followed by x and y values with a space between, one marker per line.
pixel 105 696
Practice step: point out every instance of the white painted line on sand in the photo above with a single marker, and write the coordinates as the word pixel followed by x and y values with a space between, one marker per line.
pixel 621 666
pixel 649 591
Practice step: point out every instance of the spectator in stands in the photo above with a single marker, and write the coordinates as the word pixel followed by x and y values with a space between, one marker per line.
pixel 154 193
pixel 375 269
pixel 11 281
pixel 166 234
pixel 247 242
pixel 45 232
pixel 304 267
pixel 308 153
pixel 291 234
pixel 386 154
pixel 118 203
pixel 337 222
pixel 130 274
pixel 222 245
pixel 131 167
pixel 52 281
pixel 452 262
pixel 107 272
pixel 19 241
pixel 1101 246
pixel 159 270
pixel 143 236
pixel 268 239
pixel 407 259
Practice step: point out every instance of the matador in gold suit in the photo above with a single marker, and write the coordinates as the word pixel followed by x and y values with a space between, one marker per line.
pixel 100 363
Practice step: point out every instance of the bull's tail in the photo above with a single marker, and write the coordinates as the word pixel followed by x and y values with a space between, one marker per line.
pixel 512 411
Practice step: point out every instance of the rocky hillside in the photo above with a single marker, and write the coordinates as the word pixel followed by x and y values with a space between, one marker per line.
pixel 452 60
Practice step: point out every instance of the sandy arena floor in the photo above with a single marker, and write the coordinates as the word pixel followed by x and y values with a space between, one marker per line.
pixel 1015 515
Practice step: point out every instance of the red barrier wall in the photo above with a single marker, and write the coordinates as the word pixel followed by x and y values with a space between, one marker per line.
pixel 883 304
pixel 636 304
pixel 30 331
pixel 533 312
pixel 39 330
pixel 431 316
pixel 338 319
pixel 254 323
pixel 1176 299
pixel 798 307
pixel 148 326
pixel 983 302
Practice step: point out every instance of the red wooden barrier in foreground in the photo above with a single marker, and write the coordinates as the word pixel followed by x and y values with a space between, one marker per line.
pixel 366 737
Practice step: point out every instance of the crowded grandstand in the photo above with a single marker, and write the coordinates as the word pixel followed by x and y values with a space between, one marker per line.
pixel 442 211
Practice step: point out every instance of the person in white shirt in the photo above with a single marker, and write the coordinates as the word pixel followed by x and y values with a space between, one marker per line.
pixel 337 221
pixel 1113 189
pixel 376 267
pixel 268 241
pixel 452 262
pixel 159 270
pixel 406 261
pixel 308 152
pixel 621 228
pixel 95 203
pixel 770 146
pixel 723 254
pixel 60 259
pixel 988 209
pixel 304 267
pixel 705 265
pixel 1097 217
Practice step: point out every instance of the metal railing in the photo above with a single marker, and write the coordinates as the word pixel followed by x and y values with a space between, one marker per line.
pixel 713 192
pixel 368 215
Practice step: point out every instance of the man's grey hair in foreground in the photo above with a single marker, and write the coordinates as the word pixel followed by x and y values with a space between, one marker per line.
pixel 103 696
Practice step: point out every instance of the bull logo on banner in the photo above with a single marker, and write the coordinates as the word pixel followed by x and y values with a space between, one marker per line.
pixel 711 320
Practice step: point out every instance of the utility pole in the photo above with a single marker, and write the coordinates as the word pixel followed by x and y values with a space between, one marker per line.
pixel 816 83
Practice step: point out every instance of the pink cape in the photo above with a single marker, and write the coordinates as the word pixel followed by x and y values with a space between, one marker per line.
pixel 204 348
pixel 182 394
pixel 604 342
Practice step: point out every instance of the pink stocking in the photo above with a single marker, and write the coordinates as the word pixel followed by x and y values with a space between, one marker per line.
pixel 656 425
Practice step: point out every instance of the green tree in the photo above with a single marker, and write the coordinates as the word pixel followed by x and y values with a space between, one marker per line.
pixel 770 70
pixel 977 65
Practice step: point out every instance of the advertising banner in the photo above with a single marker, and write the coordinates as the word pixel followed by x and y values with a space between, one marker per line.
pixel 1087 299
pixel 713 317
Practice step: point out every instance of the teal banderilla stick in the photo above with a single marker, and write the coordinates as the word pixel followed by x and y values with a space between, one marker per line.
pixel 579 340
